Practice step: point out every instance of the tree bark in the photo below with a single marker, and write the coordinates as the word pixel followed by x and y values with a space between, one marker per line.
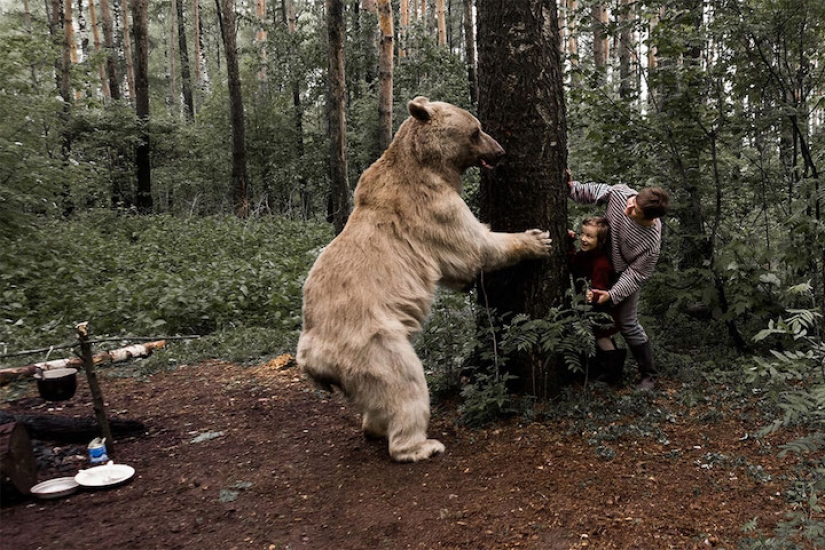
pixel 520 51
pixel 140 19
pixel 62 429
pixel 385 69
pixel 339 201
pixel 240 191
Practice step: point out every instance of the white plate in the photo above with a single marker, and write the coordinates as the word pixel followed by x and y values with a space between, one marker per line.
pixel 105 475
pixel 55 488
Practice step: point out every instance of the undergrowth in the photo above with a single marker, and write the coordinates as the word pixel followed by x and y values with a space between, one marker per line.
pixel 235 283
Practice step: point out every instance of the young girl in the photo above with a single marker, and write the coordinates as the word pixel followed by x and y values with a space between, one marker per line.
pixel 592 264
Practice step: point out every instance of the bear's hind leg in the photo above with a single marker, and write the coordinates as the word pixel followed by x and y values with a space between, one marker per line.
pixel 394 400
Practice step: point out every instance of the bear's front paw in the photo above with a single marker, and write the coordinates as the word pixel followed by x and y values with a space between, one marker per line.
pixel 540 242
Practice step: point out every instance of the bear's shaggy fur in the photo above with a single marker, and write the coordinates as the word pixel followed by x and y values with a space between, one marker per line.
pixel 372 287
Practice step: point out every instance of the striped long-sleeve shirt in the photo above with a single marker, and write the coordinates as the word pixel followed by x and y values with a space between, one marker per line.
pixel 634 248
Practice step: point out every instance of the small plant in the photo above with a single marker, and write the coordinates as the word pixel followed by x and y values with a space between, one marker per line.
pixel 794 378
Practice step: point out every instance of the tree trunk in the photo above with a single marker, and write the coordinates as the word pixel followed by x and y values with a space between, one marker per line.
pixel 201 74
pixel 260 42
pixel 626 50
pixel 442 23
pixel 185 74
pixel 240 192
pixel 104 81
pixel 385 53
pixel 109 44
pixel 339 201
pixel 62 429
pixel 573 42
pixel 171 75
pixel 127 51
pixel 290 21
pixel 470 50
pixel 598 22
pixel 403 31
pixel 520 51
pixel 140 20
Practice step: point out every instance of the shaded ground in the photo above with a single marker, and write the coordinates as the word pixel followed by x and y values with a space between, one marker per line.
pixel 281 466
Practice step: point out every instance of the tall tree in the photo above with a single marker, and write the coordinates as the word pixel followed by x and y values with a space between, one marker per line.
pixel 127 52
pixel 240 191
pixel 104 81
pixel 109 44
pixel 598 21
pixel 140 20
pixel 339 202
pixel 442 23
pixel 185 73
pixel 260 41
pixel 385 58
pixel 520 51
pixel 470 50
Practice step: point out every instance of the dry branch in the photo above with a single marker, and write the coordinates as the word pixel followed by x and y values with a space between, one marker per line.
pixel 122 354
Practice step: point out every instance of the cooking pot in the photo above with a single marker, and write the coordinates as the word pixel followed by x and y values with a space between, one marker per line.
pixel 57 384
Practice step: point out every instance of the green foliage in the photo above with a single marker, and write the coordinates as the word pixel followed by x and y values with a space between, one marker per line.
pixel 564 336
pixel 794 378
pixel 160 275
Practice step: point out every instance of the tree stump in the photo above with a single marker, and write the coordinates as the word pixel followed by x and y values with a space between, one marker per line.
pixel 18 469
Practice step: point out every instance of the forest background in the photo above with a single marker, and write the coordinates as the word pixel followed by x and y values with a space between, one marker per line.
pixel 171 168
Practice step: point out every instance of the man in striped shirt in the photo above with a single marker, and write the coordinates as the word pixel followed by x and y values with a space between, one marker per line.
pixel 636 237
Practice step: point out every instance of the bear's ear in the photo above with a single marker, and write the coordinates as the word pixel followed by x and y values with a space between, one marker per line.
pixel 420 108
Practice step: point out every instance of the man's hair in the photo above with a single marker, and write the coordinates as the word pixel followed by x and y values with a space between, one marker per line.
pixel 654 202
pixel 602 228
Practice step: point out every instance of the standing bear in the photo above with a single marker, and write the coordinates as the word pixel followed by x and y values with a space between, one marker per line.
pixel 372 287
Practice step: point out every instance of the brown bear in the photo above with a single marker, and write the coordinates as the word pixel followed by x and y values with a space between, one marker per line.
pixel 372 287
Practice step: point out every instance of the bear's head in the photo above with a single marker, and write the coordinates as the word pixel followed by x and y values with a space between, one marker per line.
pixel 446 135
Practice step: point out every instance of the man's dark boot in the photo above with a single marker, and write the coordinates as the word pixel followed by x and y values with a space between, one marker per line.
pixel 643 354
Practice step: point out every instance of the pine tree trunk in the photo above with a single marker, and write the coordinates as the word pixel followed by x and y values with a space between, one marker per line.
pixel 104 81
pixel 442 23
pixel 385 69
pixel 140 20
pixel 339 203
pixel 527 190
pixel 599 19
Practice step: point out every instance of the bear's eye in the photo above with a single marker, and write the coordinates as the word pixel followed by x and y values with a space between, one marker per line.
pixel 476 134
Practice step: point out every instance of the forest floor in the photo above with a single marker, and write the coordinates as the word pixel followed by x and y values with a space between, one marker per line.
pixel 238 457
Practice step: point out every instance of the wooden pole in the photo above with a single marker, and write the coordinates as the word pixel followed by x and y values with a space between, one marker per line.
pixel 94 387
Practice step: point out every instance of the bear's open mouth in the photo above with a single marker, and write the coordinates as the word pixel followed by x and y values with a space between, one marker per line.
pixel 484 164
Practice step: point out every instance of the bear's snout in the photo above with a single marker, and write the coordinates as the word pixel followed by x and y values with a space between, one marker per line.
pixel 492 154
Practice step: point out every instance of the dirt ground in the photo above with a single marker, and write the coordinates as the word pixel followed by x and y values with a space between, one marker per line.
pixel 253 457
